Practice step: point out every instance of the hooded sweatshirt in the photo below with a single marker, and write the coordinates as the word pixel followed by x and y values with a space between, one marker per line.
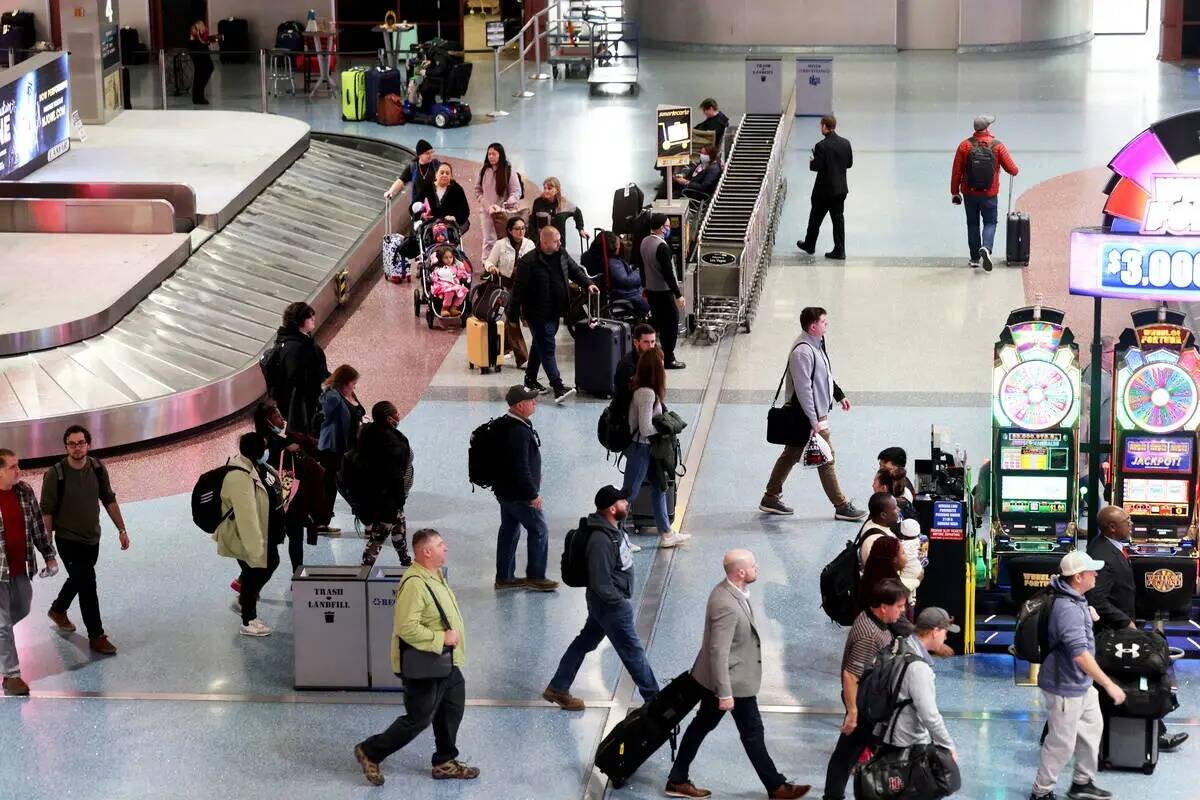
pixel 1070 636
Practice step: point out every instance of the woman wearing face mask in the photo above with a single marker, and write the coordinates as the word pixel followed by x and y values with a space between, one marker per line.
pixel 386 470
pixel 253 526
pixel 701 180
pixel 448 201
pixel 498 192
pixel 502 262
pixel 340 416
pixel 551 208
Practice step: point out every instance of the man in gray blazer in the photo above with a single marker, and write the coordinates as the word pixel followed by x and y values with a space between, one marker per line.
pixel 729 666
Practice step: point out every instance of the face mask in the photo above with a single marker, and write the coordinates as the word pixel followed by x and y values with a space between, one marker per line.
pixel 263 458
pixel 704 159
pixel 279 431
pixel 666 234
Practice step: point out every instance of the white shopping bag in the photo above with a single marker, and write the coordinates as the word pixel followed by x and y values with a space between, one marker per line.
pixel 817 452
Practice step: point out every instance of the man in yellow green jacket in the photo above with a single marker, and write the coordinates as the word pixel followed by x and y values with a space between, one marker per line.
pixel 426 619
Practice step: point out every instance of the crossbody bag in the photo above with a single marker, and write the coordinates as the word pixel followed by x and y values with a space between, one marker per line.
pixel 421 664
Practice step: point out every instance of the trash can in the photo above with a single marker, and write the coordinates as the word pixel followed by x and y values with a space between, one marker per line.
pixel 329 619
pixel 382 585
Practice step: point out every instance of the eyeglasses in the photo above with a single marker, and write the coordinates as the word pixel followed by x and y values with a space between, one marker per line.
pixel 80 443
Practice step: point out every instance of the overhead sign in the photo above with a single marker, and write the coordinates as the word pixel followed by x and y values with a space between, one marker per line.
pixel 814 87
pixel 674 136
pixel 1134 267
pixel 34 118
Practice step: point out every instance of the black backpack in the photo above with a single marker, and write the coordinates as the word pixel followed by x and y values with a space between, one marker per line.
pixel 1031 638
pixel 206 498
pixel 839 583
pixel 352 483
pixel 273 369
pixel 981 165
pixel 483 454
pixel 612 429
pixel 878 698
pixel 574 557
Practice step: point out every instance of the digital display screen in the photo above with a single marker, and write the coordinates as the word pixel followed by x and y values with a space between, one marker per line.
pixel 1156 497
pixel 1159 454
pixel 1033 494
pixel 110 52
pixel 1041 452
pixel 35 120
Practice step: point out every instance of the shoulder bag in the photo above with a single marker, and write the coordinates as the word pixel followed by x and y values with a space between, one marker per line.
pixel 420 664
pixel 787 424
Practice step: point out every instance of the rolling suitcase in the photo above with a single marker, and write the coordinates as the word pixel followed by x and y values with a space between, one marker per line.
pixel 379 83
pixel 646 729
pixel 354 94
pixel 627 204
pixel 390 110
pixel 599 345
pixel 1016 234
pixel 235 40
pixel 641 513
pixel 485 344
pixel 1129 744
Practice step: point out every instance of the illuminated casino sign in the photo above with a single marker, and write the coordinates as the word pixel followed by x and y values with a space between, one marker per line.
pixel 1164 581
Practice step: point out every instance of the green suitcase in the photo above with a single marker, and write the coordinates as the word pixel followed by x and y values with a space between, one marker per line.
pixel 354 94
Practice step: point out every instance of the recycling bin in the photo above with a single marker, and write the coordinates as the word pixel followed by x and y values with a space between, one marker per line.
pixel 329 620
pixel 382 585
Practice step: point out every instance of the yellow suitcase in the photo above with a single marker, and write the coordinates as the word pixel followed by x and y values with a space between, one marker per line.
pixel 485 344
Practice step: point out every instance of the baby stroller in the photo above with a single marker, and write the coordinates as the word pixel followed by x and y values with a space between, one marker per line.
pixel 438 79
pixel 443 289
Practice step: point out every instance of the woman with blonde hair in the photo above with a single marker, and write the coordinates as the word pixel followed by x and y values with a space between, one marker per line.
pixel 551 208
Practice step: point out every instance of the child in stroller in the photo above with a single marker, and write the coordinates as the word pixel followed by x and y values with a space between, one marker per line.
pixel 449 280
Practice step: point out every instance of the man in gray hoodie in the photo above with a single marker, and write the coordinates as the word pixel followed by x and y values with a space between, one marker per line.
pixel 809 382
pixel 1073 724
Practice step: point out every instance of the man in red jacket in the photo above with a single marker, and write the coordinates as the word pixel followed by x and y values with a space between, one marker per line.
pixel 975 183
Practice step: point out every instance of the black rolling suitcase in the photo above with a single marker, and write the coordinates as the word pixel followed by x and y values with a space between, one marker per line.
pixel 646 729
pixel 599 345
pixel 627 204
pixel 642 511
pixel 1016 234
pixel 1129 743
pixel 379 83
pixel 235 40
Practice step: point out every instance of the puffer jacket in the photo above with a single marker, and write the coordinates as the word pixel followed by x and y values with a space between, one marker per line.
pixel 243 534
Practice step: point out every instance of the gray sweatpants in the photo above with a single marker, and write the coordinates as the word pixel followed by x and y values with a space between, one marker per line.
pixel 1074 727
pixel 15 596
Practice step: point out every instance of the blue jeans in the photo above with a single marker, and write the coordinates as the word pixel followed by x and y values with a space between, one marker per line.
pixel 985 208
pixel 614 620
pixel 637 467
pixel 541 353
pixel 513 515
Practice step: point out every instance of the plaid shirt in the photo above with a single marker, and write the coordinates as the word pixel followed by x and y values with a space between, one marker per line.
pixel 35 533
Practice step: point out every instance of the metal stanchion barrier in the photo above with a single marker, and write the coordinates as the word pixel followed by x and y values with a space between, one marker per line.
pixel 497 111
pixel 538 75
pixel 262 78
pixel 522 92
pixel 162 76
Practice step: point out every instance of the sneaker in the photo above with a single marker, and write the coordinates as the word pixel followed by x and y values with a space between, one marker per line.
pixel 562 393
pixel 15 687
pixel 537 387
pixel 103 646
pixel 773 505
pixel 329 530
pixel 1036 796
pixel 370 768
pixel 985 258
pixel 236 585
pixel 973 264
pixel 514 583
pixel 541 585
pixel 1088 791
pixel 455 769
pixel 848 512
pixel 685 789
pixel 672 539
pixel 790 791
pixel 256 627
pixel 60 621
pixel 637 548
pixel 808 248
pixel 564 700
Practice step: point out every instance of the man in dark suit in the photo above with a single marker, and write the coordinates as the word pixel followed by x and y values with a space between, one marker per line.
pixel 831 157
pixel 1115 595
pixel 729 666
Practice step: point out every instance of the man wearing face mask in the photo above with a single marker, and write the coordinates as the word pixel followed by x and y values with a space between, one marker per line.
pixel 662 287
pixel 252 526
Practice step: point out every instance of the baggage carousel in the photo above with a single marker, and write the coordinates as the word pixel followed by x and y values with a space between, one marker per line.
pixel 185 353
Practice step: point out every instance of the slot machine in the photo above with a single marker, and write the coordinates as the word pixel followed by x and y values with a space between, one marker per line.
pixel 1156 411
pixel 1036 404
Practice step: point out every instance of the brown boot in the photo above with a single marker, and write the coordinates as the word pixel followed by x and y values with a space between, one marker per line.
pixel 370 768
pixel 789 791
pixel 564 700
pixel 541 584
pixel 103 646
pixel 687 789
pixel 455 769
pixel 15 687
pixel 61 621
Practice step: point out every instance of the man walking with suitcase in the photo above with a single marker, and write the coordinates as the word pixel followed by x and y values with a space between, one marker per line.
pixel 831 157
pixel 729 666
pixel 610 613
pixel 975 185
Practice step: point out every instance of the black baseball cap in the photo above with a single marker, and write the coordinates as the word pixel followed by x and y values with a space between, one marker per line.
pixel 609 495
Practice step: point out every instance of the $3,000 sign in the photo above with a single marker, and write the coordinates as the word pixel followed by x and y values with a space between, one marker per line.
pixel 1145 267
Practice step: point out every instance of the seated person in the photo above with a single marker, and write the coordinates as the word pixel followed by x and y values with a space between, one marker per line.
pixel 450 281
pixel 714 120
pixel 624 281
pixel 701 179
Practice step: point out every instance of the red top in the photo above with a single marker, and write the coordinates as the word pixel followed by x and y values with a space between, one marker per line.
pixel 14 530
pixel 958 178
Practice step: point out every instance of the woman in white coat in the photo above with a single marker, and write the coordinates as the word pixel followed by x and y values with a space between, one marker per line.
pixel 501 261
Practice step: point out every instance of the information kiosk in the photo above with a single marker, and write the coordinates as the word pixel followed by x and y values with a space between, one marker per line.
pixel 1156 404
pixel 1035 439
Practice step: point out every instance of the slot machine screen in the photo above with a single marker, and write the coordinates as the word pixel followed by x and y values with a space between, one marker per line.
pixel 1034 494
pixel 1159 454
pixel 1034 452
pixel 1156 497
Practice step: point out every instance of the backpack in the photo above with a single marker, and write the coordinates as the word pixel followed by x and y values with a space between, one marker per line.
pixel 1031 638
pixel 981 165
pixel 839 583
pixel 273 369
pixel 206 498
pixel 483 454
pixel 574 557
pixel 102 479
pixel 878 697
pixel 612 429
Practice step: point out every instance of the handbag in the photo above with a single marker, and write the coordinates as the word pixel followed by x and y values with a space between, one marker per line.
pixel 288 482
pixel 420 664
pixel 817 452
pixel 918 772
pixel 787 424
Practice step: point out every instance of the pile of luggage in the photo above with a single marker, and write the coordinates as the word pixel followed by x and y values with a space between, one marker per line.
pixel 1139 662
pixel 373 95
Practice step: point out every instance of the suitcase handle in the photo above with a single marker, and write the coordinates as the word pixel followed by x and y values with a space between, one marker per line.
pixel 1011 180
pixel 387 215
pixel 592 298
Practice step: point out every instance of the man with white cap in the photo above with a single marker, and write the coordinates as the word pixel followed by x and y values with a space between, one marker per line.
pixel 975 184
pixel 1073 724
